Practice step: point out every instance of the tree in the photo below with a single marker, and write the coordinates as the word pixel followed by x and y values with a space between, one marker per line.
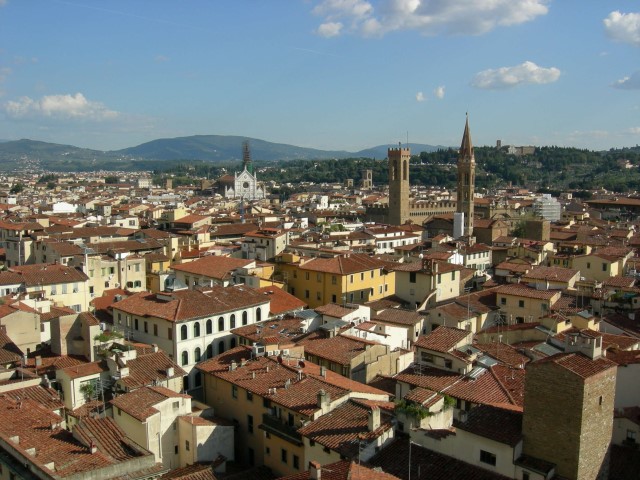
pixel 17 188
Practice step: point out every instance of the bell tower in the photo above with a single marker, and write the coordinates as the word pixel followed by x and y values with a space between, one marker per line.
pixel 398 185
pixel 466 179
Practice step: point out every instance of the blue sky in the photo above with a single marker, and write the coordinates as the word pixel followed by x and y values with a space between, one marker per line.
pixel 328 74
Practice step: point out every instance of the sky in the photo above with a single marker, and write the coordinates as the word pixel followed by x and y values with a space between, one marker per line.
pixel 326 74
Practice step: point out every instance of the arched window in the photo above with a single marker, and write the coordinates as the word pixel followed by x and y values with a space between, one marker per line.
pixel 220 347
pixel 209 327
pixel 233 343
pixel 258 314
pixel 183 332
pixel 196 329
pixel 233 320
pixel 185 358
pixel 197 354
pixel 221 324
pixel 245 317
pixel 209 351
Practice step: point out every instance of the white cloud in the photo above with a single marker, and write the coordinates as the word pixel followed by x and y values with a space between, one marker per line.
pixel 420 97
pixel 628 83
pixel 634 131
pixel 430 17
pixel 623 27
pixel 329 29
pixel 59 106
pixel 507 77
pixel 439 92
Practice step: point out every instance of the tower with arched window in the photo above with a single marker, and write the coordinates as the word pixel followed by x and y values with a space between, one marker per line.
pixel 466 180
pixel 398 185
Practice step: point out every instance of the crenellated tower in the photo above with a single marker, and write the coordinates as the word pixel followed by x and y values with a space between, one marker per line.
pixel 466 179
pixel 398 185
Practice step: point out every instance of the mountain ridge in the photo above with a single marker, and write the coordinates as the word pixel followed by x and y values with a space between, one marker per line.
pixel 211 148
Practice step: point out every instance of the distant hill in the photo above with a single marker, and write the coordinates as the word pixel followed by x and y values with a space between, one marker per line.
pixel 149 155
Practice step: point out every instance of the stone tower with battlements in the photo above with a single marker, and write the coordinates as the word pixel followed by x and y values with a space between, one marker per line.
pixel 466 179
pixel 398 185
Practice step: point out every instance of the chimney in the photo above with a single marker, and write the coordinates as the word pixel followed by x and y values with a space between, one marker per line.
pixel 323 371
pixel 315 470
pixel 170 372
pixel 374 418
pixel 93 448
pixel 324 401
pixel 233 366
pixel 38 361
pixel 154 347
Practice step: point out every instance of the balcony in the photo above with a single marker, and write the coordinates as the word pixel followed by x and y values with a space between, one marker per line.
pixel 275 426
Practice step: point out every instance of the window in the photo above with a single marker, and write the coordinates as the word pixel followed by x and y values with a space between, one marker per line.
pixel 439 278
pixel 426 357
pixel 220 347
pixel 487 457
pixel 233 321
pixel 170 333
pixel 234 391
pixel 326 450
pixel 221 324
pixel 146 327
pixel 155 329
pixel 448 364
pixel 249 396
pixel 283 455
pixel 521 303
pixel 588 264
pixel 333 298
pixel 209 327
pixel 196 329
pixel 185 358
pixel 631 436
pixel 135 323
pixel 64 287
pixel 362 276
pixel 503 300
pixel 245 318
pixel 175 449
pixel 296 462
pixel 334 280
pixel 54 290
pixel 186 445
pixel 209 351
pixel 350 278
pixel 306 275
pixel 318 296
pixel 306 294
pixel 267 451
pixel 250 423
pixel 197 354
pixel 318 277
pixel 525 476
pixel 176 405
pixel 259 314
pixel 604 267
pixel 412 277
pixel 453 275
pixel 183 332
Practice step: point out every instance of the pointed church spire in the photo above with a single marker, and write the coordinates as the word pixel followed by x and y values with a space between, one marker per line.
pixel 466 148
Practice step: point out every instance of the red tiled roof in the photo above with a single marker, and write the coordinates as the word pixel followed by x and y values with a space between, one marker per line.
pixel 42 274
pixel 213 266
pixel 341 428
pixel 493 423
pixel 578 364
pixel 344 470
pixel 281 301
pixel 190 304
pixel 345 264
pixel 140 403
pixel 443 339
